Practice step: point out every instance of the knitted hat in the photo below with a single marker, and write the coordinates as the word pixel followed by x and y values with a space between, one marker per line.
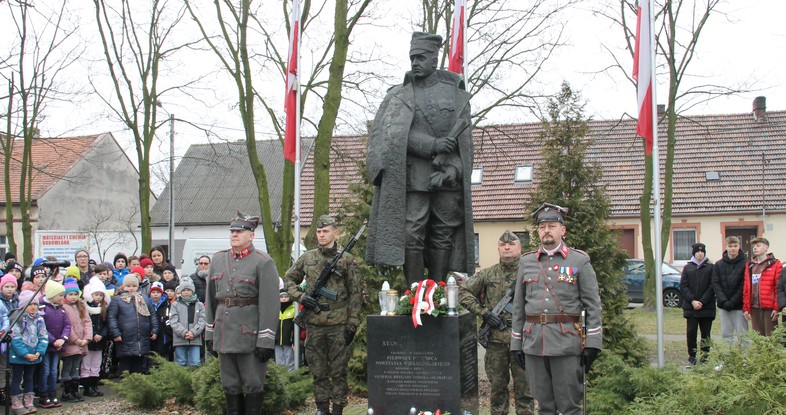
pixel 38 261
pixel 96 286
pixel 9 255
pixel 28 286
pixel 146 262
pixel 70 285
pixel 73 271
pixel 109 266
pixel 131 280
pixel 186 283
pixel 170 267
pixel 157 286
pixel 11 265
pixel 120 256
pixel 53 289
pixel 36 271
pixel 139 271
pixel 8 279
pixel 26 297
pixel 699 247
pixel 171 285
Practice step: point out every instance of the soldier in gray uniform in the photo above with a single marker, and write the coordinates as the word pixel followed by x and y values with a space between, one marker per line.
pixel 242 316
pixel 330 332
pixel 420 162
pixel 491 284
pixel 554 284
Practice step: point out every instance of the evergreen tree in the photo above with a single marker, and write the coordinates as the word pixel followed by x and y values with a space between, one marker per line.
pixel 567 179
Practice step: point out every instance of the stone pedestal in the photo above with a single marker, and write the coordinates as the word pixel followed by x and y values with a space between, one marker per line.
pixel 433 366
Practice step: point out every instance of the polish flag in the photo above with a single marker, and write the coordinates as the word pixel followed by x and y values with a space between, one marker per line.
pixel 642 74
pixel 456 58
pixel 293 85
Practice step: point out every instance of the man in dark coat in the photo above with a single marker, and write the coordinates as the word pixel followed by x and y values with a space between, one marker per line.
pixel 241 313
pixel 727 282
pixel 698 301
pixel 420 162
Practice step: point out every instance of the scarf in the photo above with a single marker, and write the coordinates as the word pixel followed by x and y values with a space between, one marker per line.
pixel 188 301
pixel 139 302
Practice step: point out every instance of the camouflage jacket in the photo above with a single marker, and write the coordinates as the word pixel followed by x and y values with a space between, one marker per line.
pixel 562 283
pixel 249 277
pixel 345 282
pixel 490 285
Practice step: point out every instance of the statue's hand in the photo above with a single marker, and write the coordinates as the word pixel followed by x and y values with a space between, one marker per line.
pixel 435 180
pixel 450 177
pixel 444 145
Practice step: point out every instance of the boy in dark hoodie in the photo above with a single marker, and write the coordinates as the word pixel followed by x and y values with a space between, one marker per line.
pixel 160 303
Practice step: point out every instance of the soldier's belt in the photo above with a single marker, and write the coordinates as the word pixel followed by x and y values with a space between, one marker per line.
pixel 333 305
pixel 240 301
pixel 552 318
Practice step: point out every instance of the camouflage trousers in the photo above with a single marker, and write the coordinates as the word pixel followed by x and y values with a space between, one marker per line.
pixel 500 363
pixel 327 356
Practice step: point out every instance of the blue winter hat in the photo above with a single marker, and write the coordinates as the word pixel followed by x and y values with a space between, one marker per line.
pixel 38 261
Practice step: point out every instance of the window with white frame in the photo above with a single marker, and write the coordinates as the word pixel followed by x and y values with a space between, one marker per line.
pixel 477 175
pixel 3 245
pixel 683 240
pixel 523 174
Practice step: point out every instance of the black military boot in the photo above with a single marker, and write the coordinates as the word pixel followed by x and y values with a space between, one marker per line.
pixel 337 409
pixel 413 266
pixel 438 264
pixel 234 404
pixel 323 408
pixel 253 403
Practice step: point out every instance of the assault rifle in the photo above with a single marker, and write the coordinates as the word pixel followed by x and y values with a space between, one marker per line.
pixel 319 289
pixel 504 302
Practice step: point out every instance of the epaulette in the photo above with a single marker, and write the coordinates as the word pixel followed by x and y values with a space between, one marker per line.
pixel 263 253
pixel 529 253
pixel 579 251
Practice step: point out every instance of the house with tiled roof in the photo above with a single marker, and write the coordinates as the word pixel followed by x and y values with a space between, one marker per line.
pixel 84 193
pixel 729 179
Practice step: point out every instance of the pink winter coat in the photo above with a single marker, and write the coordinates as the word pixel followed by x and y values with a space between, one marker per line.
pixel 81 328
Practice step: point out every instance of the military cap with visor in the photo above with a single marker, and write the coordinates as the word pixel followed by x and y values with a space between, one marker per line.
pixel 243 222
pixel 548 212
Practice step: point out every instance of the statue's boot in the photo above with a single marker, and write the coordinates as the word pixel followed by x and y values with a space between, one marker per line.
pixel 439 260
pixel 413 266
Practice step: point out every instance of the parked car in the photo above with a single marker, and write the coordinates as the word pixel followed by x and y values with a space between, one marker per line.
pixel 634 280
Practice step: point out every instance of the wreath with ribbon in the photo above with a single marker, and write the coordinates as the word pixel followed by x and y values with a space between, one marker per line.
pixel 423 297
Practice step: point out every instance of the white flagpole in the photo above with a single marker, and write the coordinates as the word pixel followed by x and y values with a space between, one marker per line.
pixel 464 48
pixel 656 190
pixel 296 12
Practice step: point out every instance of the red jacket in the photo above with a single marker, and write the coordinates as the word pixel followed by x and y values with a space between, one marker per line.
pixel 768 282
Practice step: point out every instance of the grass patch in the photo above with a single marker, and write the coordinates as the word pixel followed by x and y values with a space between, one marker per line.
pixel 673 322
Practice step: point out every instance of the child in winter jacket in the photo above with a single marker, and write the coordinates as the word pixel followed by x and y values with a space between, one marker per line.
pixel 96 300
pixel 28 345
pixel 8 303
pixel 187 319
pixel 59 328
pixel 160 303
pixel 76 345
pixel 285 336
pixel 132 325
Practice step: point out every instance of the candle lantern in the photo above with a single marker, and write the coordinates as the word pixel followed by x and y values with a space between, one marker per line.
pixel 383 299
pixel 392 302
pixel 451 292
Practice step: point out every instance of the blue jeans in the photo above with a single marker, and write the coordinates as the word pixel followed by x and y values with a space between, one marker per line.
pixel 22 372
pixel 187 355
pixel 47 380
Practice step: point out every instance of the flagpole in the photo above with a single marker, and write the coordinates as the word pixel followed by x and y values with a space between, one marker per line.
pixel 296 11
pixel 656 190
pixel 464 48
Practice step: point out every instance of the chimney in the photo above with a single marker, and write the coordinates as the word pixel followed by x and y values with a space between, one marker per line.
pixel 760 108
pixel 661 110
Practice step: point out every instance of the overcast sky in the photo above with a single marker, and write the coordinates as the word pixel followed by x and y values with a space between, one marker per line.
pixel 746 46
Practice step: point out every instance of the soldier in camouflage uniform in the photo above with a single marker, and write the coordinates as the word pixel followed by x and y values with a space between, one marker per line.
pixel 553 285
pixel 330 331
pixel 242 316
pixel 491 284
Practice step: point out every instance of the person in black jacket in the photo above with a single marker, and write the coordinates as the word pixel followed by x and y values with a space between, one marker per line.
pixel 698 301
pixel 132 325
pixel 727 282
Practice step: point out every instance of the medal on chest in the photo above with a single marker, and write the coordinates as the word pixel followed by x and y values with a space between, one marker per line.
pixel 567 275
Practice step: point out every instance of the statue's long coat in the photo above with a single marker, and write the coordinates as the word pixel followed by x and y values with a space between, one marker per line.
pixel 387 169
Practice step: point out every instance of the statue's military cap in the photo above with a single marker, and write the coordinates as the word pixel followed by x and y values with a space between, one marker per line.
pixel 423 43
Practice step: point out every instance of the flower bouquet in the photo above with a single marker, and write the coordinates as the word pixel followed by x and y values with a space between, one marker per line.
pixel 423 297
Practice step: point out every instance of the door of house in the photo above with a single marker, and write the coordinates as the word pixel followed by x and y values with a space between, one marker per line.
pixel 627 241
pixel 746 235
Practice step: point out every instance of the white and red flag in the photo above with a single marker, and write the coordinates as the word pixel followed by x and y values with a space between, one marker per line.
pixel 642 74
pixel 457 55
pixel 293 85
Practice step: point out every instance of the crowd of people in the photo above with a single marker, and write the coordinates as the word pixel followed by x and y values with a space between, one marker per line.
pixel 93 321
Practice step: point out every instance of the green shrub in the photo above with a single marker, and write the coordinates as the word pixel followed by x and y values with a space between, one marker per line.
pixel 166 379
pixel 283 390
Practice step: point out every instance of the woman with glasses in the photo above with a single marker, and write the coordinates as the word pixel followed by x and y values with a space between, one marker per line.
pixel 200 277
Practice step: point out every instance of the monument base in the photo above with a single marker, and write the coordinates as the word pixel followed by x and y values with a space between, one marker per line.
pixel 433 366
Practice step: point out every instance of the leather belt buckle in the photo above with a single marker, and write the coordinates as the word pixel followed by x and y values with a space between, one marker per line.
pixel 227 302
pixel 543 319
